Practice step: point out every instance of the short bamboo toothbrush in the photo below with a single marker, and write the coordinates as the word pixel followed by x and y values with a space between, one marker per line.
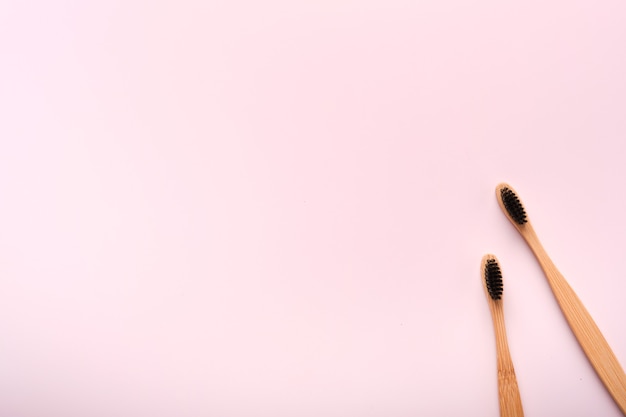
pixel 584 328
pixel 508 392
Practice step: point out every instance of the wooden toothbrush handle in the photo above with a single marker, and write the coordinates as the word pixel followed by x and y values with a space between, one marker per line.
pixel 508 391
pixel 589 336
pixel 510 401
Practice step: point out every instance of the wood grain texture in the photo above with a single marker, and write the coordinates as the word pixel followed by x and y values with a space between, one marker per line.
pixel 508 390
pixel 587 333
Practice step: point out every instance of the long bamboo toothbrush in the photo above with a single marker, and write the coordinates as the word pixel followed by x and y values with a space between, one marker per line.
pixel 584 328
pixel 508 391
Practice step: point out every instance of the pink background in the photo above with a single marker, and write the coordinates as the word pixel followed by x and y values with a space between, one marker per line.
pixel 278 208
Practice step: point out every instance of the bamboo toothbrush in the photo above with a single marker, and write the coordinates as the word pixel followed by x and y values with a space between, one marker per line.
pixel 584 328
pixel 508 392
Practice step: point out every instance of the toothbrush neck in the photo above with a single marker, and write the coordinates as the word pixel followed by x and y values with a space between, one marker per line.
pixel 537 248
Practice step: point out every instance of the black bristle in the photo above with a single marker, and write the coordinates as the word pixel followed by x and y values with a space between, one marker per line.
pixel 513 206
pixel 493 279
